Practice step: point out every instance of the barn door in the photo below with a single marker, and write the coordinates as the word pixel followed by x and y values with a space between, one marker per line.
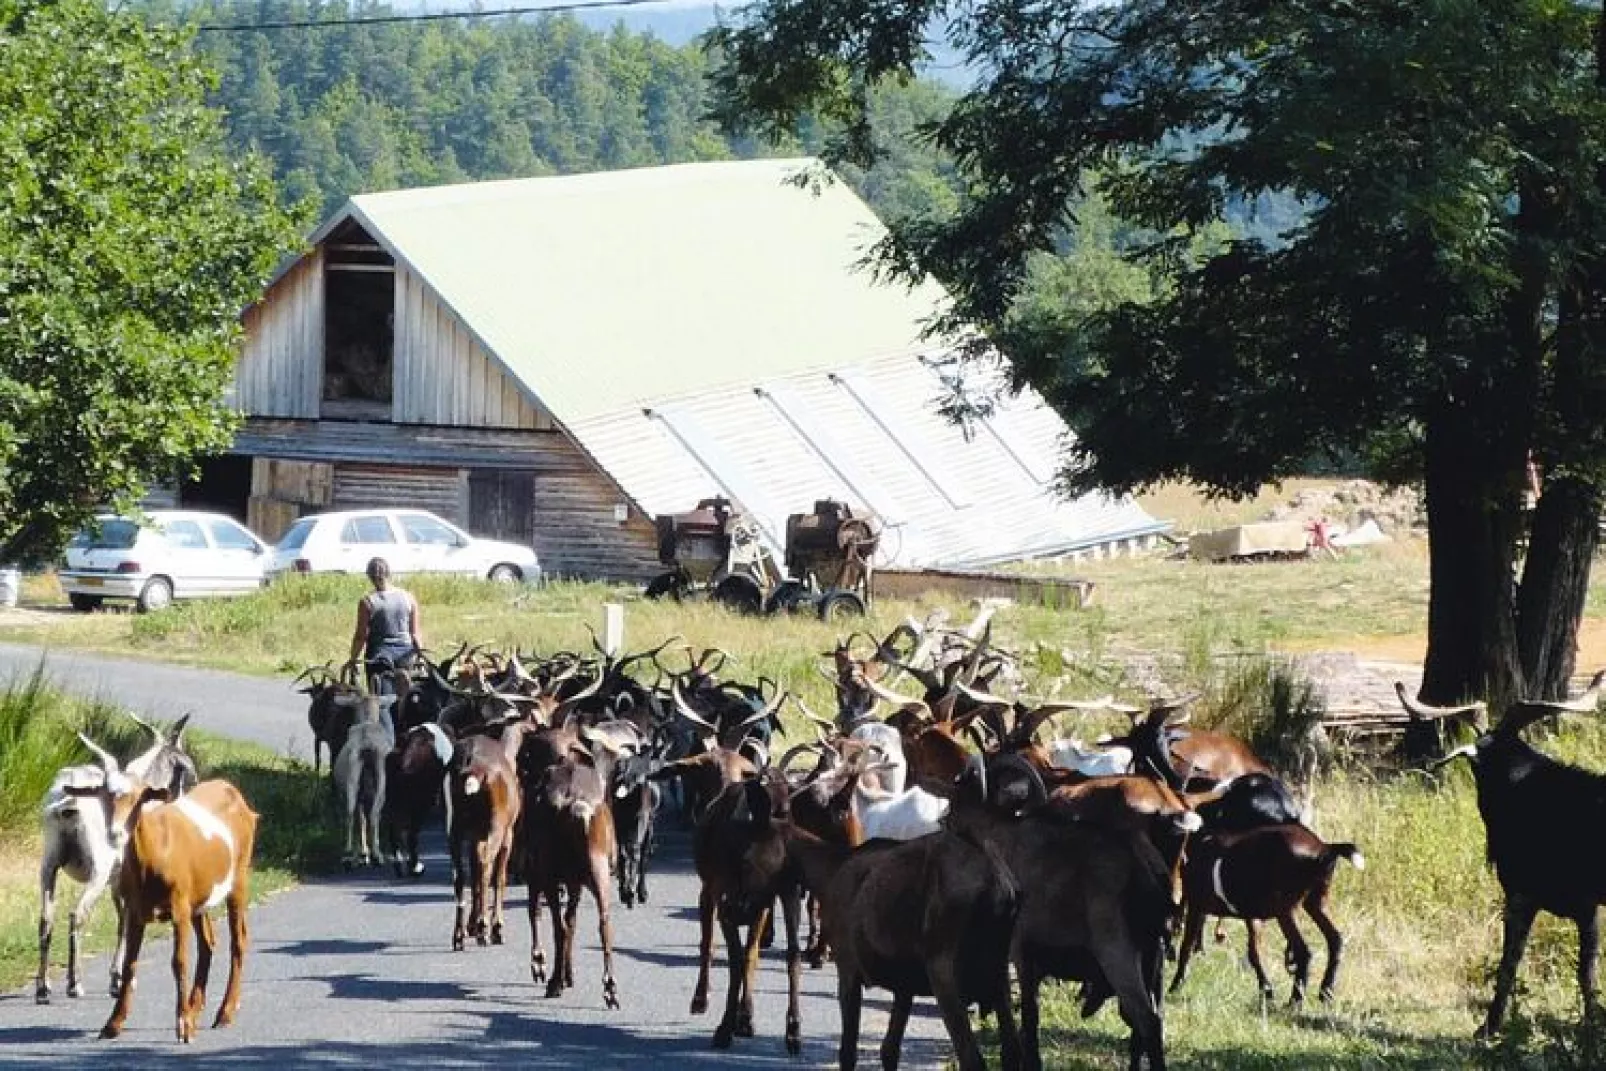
pixel 501 505
pixel 282 491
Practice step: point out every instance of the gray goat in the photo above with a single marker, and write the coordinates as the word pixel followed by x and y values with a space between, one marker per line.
pixel 80 839
pixel 359 771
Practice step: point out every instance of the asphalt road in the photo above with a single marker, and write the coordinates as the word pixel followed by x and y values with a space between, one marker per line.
pixel 356 970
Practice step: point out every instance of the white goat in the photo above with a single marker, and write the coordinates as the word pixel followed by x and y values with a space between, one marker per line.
pixel 897 816
pixel 1099 760
pixel 359 770
pixel 80 839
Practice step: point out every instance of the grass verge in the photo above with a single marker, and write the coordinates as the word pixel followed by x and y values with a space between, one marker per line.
pixel 36 738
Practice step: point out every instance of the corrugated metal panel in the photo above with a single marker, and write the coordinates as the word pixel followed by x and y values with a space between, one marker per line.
pixel 683 278
pixel 280 368
pixel 746 444
pixel 390 486
pixel 444 376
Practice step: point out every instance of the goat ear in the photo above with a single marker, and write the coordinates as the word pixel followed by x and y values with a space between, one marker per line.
pixel 181 725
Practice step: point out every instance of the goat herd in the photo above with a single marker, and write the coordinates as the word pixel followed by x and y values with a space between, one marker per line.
pixel 932 849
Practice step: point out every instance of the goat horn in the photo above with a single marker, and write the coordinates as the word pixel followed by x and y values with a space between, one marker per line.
pixel 686 710
pixel 147 726
pixel 880 691
pixel 107 762
pixel 809 714
pixel 985 699
pixel 794 751
pixel 1582 704
pixel 1420 711
pixel 1469 751
pixel 769 711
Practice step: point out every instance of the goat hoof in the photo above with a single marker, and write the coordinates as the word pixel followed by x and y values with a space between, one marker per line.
pixel 722 1038
pixel 110 1030
pixel 744 1025
pixel 76 989
pixel 1325 996
pixel 554 988
pixel 794 1043
pixel 223 1019
pixel 641 896
pixel 610 994
pixel 699 1004
pixel 457 943
pixel 496 934
pixel 41 995
pixel 418 868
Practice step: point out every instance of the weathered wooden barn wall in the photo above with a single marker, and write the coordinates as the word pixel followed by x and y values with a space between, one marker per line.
pixel 280 370
pixel 444 376
pixel 568 505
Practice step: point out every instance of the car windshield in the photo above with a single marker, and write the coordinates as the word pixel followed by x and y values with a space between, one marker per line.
pixel 114 534
pixel 296 537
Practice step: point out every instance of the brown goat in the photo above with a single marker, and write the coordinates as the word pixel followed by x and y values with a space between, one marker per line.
pixel 569 845
pixel 183 858
pixel 483 803
pixel 1265 873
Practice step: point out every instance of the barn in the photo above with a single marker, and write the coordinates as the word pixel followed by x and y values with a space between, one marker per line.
pixel 558 360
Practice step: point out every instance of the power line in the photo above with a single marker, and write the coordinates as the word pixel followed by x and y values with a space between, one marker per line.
pixel 428 16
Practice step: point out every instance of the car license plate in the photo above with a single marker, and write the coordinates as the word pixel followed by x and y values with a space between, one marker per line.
pixel 91 581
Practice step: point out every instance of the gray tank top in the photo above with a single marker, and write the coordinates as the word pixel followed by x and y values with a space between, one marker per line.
pixel 389 613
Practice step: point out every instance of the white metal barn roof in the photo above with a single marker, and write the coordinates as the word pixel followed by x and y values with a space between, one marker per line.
pixel 707 328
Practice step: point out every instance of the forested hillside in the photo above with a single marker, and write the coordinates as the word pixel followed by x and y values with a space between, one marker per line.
pixel 347 109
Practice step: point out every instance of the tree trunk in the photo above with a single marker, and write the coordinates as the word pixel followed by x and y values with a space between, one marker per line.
pixel 1555 583
pixel 1473 520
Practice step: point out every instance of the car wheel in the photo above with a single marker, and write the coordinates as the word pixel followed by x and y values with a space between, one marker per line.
pixel 156 595
pixel 504 574
pixel 85 603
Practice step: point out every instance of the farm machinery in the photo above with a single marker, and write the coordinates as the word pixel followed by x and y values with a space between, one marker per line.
pixel 718 551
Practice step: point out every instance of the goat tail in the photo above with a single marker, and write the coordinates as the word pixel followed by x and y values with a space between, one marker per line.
pixel 471 784
pixel 1347 851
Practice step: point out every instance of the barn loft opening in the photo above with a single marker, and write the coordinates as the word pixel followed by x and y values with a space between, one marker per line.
pixel 359 345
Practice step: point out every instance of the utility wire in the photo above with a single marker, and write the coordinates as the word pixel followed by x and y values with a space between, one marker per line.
pixel 428 16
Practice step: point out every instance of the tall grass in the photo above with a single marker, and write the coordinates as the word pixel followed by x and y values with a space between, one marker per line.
pixel 37 727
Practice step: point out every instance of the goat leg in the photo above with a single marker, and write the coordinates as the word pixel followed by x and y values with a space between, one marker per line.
pixel 1192 930
pixel 599 893
pixel 1588 950
pixel 47 916
pixel 75 930
pixel 554 985
pixel 791 908
pixel 1297 957
pixel 571 929
pixel 481 868
pixel 183 923
pixel 116 965
pixel 1519 920
pixel 537 954
pixel 736 963
pixel 897 1022
pixel 849 999
pixel 755 935
pixel 1030 1013
pixel 125 995
pixel 943 968
pixel 454 847
pixel 1317 910
pixel 707 909
pixel 499 891
pixel 239 936
pixel 205 943
pixel 1252 940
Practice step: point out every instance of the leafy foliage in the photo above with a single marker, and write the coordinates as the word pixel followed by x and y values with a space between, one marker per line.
pixel 130 239
pixel 1433 301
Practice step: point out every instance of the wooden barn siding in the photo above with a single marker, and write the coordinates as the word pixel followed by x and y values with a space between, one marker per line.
pixel 280 369
pixel 389 486
pixel 393 465
pixel 443 376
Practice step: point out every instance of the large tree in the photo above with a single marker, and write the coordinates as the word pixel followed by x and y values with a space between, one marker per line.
pixel 130 241
pixel 1438 303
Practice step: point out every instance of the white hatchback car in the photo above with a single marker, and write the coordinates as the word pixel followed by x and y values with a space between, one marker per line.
pixel 410 540
pixel 172 554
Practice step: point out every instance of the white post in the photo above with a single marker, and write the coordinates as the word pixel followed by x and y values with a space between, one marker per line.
pixel 613 628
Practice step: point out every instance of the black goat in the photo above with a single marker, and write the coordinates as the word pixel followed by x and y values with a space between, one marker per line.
pixel 414 774
pixel 634 800
pixel 928 917
pixel 1095 908
pixel 1533 810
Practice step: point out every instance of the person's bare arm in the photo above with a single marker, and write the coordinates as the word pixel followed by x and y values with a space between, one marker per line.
pixel 417 624
pixel 360 636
